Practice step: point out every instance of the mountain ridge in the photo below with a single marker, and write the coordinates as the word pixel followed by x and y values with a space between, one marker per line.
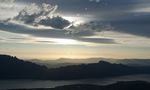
pixel 14 68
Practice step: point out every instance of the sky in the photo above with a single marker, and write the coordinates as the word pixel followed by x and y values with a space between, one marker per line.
pixel 51 29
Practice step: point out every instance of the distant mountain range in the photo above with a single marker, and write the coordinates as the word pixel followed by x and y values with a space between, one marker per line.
pixel 67 61
pixel 14 68
pixel 130 85
pixel 135 62
pixel 61 62
pixel 53 63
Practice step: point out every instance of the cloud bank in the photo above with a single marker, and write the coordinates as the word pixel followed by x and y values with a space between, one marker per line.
pixel 54 33
pixel 41 15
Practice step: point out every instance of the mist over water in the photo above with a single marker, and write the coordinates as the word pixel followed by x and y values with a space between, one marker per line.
pixel 17 84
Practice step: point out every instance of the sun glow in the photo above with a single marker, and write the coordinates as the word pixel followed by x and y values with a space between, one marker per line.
pixel 75 20
pixel 66 41
pixel 57 41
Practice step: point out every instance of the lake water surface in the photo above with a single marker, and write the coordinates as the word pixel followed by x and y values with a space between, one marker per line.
pixel 15 84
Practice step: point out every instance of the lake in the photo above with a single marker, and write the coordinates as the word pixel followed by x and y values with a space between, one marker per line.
pixel 15 84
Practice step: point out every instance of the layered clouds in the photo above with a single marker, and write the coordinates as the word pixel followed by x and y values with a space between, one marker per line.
pixel 86 19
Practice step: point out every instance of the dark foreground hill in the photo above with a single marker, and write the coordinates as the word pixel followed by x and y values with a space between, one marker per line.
pixel 14 68
pixel 96 70
pixel 131 85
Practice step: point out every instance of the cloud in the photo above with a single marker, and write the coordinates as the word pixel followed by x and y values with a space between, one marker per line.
pixel 8 9
pixel 20 29
pixel 55 22
pixel 94 26
pixel 90 28
pixel 52 33
pixel 78 6
pixel 134 24
pixel 42 15
pixel 55 33
pixel 7 1
pixel 112 15
pixel 98 40
pixel 107 15
pixel 34 12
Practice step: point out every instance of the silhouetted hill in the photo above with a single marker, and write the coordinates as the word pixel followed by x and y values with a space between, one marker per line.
pixel 61 62
pixel 14 68
pixel 135 62
pixel 130 85
pixel 96 70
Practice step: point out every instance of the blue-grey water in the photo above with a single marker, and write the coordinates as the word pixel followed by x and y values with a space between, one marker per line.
pixel 16 84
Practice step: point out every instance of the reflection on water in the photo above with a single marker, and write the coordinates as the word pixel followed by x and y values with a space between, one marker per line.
pixel 14 84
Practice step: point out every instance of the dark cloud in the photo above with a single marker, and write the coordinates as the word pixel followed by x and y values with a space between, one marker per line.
pixel 94 26
pixel 27 19
pixel 55 22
